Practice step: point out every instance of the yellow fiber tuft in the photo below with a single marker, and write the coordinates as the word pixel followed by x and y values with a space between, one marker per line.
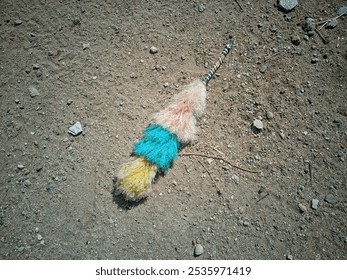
pixel 135 178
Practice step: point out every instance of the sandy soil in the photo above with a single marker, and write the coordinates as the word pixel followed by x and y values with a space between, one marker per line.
pixel 90 62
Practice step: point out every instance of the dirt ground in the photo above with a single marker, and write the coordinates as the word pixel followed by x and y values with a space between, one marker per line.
pixel 90 62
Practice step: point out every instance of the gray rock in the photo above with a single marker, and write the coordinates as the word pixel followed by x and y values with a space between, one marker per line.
pixel 312 100
pixel 342 10
pixel 201 8
pixel 39 237
pixel 198 250
pixel 332 23
pixel 76 129
pixel 330 199
pixel 258 124
pixel 309 25
pixel 50 187
pixel 263 68
pixel 314 203
pixel 273 28
pixel 153 50
pixel 33 91
pixel 287 5
pixel 289 257
pixel 27 183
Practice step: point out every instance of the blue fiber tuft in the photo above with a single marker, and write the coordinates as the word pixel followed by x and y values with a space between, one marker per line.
pixel 158 146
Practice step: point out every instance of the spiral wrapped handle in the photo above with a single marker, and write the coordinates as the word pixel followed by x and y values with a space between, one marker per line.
pixel 219 62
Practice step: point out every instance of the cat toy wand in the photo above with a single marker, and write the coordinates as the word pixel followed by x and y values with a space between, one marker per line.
pixel 170 129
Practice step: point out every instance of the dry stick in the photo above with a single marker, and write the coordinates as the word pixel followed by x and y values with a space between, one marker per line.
pixel 220 158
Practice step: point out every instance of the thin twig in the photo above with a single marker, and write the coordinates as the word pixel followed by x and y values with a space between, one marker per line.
pixel 214 148
pixel 310 171
pixel 220 158
pixel 262 197
pixel 325 41
pixel 208 171
pixel 266 59
pixel 237 2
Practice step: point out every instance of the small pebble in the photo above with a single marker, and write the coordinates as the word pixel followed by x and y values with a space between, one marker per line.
pixel 314 60
pixel 201 8
pixel 153 50
pixel 38 168
pixel 295 40
pixel 269 115
pixel 50 187
pixel 330 199
pixel 302 208
pixel 263 68
pixel 36 66
pixel 76 21
pixel 33 91
pixel 258 124
pixel 27 183
pixel 314 203
pixel 287 5
pixel 39 237
pixel 85 46
pixel 76 129
pixel 289 257
pixel 20 166
pixel 198 250
pixel 166 85
pixel 246 224
pixel 235 178
pixel 273 28
pixel 18 22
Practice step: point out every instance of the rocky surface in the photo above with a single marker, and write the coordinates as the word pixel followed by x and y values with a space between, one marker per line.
pixel 92 62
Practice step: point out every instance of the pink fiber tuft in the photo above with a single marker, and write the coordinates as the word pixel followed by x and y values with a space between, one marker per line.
pixel 180 116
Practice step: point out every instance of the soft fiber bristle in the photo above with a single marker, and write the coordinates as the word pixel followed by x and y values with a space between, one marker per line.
pixel 158 146
pixel 180 116
pixel 134 178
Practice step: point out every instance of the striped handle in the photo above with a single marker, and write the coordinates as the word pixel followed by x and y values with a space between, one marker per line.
pixel 219 62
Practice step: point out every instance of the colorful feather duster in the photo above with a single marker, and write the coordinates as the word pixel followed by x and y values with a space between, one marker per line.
pixel 170 129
